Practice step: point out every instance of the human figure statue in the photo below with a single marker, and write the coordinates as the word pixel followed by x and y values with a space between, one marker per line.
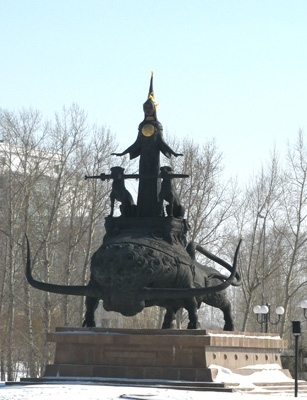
pixel 148 145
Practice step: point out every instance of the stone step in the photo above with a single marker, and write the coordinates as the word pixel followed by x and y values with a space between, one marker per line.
pixel 268 388
pixel 161 384
pixel 123 381
pixel 271 387
pixel 280 392
pixel 300 383
pixel 164 373
pixel 268 393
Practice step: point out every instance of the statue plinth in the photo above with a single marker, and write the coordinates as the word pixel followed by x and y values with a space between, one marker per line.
pixel 179 355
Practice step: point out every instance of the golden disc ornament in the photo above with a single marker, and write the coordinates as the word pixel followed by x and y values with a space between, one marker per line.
pixel 148 130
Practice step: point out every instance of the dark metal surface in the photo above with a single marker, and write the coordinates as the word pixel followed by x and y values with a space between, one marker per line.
pixel 145 259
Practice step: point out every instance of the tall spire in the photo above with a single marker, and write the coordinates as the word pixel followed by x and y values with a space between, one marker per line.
pixel 150 106
pixel 151 92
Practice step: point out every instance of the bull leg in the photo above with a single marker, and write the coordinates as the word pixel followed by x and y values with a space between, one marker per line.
pixel 91 304
pixel 228 318
pixel 219 300
pixel 169 319
pixel 191 307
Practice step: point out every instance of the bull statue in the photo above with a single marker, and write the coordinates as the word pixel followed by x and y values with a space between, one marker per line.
pixel 137 267
pixel 145 259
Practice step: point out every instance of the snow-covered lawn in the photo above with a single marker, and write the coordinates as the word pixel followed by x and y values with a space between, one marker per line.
pixel 79 391
pixel 99 392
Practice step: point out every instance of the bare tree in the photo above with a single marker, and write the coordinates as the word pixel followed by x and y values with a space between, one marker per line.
pixel 209 201
pixel 18 178
pixel 44 194
pixel 260 256
pixel 292 225
pixel 272 220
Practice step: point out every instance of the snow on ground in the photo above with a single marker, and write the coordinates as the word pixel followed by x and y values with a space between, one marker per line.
pixel 260 375
pixel 100 392
pixel 245 336
pixel 79 391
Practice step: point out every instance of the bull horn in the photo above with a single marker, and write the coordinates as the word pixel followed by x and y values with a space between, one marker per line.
pixel 237 281
pixel 182 293
pixel 49 287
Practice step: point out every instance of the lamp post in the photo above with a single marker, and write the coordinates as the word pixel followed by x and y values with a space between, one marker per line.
pixel 263 253
pixel 263 314
pixel 303 305
pixel 296 330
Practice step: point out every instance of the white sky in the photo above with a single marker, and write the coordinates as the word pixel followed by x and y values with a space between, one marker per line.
pixel 233 70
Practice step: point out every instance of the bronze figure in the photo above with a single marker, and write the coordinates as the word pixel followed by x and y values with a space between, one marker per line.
pixel 145 259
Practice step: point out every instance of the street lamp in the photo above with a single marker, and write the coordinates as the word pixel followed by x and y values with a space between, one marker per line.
pixel 264 312
pixel 263 253
pixel 304 307
pixel 296 330
pixel 264 315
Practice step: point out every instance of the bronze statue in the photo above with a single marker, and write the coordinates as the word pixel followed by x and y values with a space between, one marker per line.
pixel 169 194
pixel 145 259
pixel 120 193
pixel 148 145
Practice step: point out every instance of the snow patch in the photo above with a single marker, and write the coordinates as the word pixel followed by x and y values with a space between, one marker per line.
pixel 268 375
pixel 245 336
pixel 262 366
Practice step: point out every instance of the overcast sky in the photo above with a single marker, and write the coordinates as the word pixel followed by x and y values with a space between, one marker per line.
pixel 233 70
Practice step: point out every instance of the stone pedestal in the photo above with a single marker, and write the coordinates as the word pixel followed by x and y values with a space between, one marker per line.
pixel 158 354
